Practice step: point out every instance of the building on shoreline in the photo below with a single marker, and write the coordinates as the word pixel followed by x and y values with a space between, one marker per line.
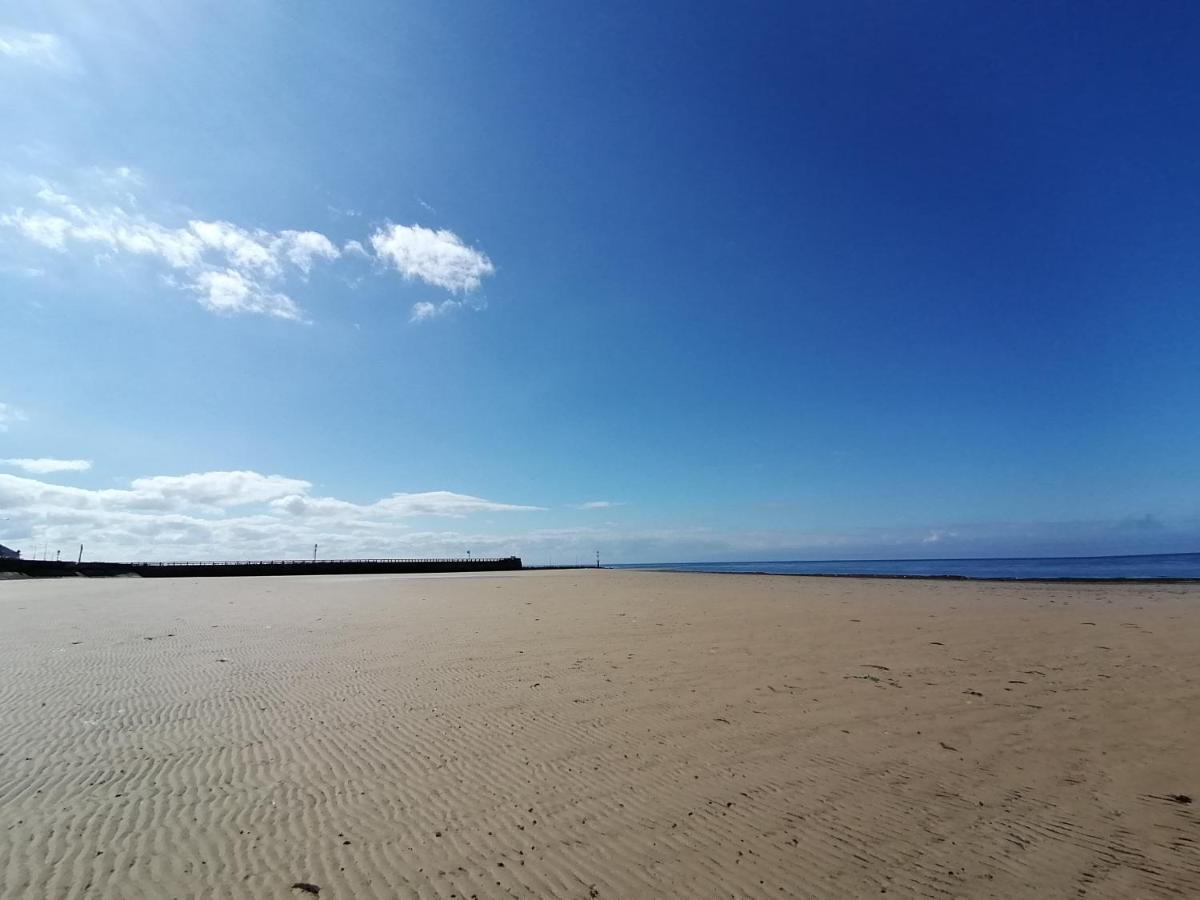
pixel 5 553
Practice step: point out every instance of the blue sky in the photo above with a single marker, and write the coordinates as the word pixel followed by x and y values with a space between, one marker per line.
pixel 671 280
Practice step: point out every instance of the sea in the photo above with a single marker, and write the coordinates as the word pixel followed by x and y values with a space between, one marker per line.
pixel 1163 566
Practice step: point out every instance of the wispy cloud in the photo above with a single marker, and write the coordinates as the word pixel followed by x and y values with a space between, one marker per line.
pixel 439 258
pixel 424 311
pixel 45 466
pixel 22 271
pixel 599 504
pixel 9 414
pixel 37 48
pixel 230 268
pixel 937 536
pixel 428 503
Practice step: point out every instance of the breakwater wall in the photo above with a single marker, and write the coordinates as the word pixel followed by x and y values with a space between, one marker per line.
pixel 36 568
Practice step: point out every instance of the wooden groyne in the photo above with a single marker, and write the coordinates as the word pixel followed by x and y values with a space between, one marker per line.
pixel 36 568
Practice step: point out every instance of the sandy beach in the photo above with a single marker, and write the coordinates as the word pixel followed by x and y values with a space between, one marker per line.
pixel 598 734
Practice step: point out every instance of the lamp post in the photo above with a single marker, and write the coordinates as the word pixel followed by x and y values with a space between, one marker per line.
pixel 314 552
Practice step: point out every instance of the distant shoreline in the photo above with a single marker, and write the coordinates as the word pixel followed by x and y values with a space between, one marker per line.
pixel 1129 568
pixel 1073 570
pixel 905 577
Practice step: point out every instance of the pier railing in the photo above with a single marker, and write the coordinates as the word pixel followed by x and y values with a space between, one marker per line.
pixel 217 568
pixel 468 560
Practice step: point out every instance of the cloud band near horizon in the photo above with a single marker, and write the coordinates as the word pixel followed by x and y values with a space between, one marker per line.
pixel 248 515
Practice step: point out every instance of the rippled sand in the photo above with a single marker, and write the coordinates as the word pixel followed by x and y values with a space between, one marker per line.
pixel 597 734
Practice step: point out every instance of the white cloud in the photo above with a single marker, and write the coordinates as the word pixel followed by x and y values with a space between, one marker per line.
pixel 222 489
pixel 34 47
pixel 302 247
pixel 229 268
pixel 429 503
pixel 236 514
pixel 424 311
pixel 8 415
pixel 599 504
pixel 45 466
pixel 42 228
pixel 936 536
pixel 231 291
pixel 444 503
pixel 439 258
pixel 241 248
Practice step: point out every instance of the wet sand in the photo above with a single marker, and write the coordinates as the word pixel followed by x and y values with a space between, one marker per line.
pixel 598 734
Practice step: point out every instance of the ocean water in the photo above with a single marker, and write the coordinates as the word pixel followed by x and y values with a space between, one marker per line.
pixel 1159 566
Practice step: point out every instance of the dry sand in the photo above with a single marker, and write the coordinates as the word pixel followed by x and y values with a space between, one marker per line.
pixel 598 734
